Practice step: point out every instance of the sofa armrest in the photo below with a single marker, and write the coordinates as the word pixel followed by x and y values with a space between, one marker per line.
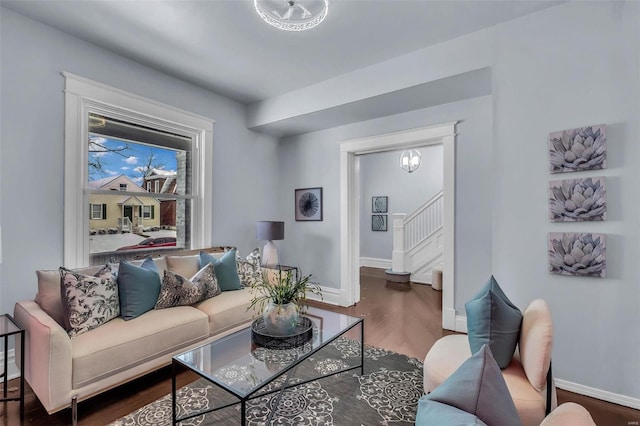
pixel 48 358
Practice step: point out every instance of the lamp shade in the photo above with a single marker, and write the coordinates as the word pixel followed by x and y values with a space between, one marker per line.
pixel 269 230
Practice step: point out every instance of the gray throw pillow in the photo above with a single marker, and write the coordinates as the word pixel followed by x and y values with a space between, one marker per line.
pixel 432 413
pixel 477 387
pixel 493 320
pixel 138 287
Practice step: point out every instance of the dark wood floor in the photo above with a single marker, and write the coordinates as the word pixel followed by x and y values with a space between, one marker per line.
pixel 399 317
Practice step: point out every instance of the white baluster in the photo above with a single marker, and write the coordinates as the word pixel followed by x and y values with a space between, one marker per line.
pixel 398 254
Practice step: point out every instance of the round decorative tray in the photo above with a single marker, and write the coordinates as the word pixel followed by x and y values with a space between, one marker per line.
pixel 262 337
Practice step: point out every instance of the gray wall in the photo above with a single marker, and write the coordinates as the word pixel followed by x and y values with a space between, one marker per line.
pixel 380 174
pixel 32 174
pixel 543 82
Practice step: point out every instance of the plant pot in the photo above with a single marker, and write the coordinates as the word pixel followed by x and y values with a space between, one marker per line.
pixel 281 320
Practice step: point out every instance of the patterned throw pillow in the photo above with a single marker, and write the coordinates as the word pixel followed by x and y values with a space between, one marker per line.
pixel 249 270
pixel 89 301
pixel 254 258
pixel 206 277
pixel 179 291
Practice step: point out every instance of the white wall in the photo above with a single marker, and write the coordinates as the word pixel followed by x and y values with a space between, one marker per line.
pixel 380 174
pixel 31 173
pixel 573 65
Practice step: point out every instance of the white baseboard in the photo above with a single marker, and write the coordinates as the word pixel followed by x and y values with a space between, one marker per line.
pixel 330 295
pixel 422 278
pixel 373 262
pixel 615 398
pixel 461 324
pixel 14 373
pixel 449 319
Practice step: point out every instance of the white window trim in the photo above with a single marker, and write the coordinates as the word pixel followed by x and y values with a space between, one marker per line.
pixel 91 210
pixel 157 187
pixel 84 96
pixel 146 212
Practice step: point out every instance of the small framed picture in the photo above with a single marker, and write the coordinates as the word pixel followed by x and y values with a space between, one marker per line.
pixel 308 204
pixel 379 204
pixel 379 222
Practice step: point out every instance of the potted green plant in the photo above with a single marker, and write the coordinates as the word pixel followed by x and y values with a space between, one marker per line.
pixel 281 296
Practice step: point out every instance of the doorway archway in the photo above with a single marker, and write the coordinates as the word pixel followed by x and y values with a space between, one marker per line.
pixel 350 150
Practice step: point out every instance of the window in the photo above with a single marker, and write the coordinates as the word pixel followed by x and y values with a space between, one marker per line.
pixel 101 121
pixel 98 211
pixel 148 186
pixel 147 212
pixel 157 186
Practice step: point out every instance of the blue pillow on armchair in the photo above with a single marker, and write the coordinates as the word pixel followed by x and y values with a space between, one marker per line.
pixel 475 394
pixel 493 320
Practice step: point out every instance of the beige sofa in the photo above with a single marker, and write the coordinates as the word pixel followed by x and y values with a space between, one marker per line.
pixel 63 371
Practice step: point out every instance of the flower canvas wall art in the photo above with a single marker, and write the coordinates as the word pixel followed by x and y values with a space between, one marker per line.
pixel 577 254
pixel 575 200
pixel 583 148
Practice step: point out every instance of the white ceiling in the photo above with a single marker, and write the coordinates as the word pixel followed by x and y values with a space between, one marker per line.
pixel 223 46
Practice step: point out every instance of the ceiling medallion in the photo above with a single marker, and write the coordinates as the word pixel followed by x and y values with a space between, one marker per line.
pixel 292 15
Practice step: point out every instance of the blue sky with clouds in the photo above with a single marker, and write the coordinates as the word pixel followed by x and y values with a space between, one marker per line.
pixel 129 160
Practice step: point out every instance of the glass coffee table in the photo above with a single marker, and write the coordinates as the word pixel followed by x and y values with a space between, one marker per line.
pixel 237 365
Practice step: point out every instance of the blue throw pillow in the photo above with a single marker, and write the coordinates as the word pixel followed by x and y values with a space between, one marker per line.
pixel 225 268
pixel 493 320
pixel 476 387
pixel 138 287
pixel 432 413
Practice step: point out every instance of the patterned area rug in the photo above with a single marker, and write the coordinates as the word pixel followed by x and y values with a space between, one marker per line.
pixel 387 394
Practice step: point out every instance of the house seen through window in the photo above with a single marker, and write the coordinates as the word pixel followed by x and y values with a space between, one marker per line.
pixel 150 171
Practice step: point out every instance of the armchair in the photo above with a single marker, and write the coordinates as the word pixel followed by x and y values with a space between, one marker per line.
pixel 528 376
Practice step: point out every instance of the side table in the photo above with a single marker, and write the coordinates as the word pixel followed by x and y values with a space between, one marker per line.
pixel 8 327
pixel 285 268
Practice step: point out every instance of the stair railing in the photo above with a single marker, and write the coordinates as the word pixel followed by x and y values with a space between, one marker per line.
pixel 410 231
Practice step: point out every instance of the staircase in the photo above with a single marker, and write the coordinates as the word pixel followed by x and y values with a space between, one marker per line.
pixel 418 243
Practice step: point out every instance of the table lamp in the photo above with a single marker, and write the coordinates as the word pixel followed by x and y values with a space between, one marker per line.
pixel 269 231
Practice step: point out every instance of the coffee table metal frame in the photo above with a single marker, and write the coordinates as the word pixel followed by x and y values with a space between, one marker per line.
pixel 288 371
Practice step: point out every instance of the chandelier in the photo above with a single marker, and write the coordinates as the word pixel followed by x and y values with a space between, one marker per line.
pixel 292 15
pixel 410 160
